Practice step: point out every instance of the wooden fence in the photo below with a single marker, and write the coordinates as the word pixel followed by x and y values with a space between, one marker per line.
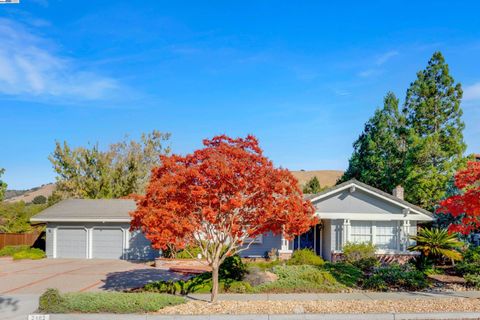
pixel 16 239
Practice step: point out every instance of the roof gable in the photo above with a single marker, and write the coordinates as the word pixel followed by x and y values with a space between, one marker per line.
pixel 356 197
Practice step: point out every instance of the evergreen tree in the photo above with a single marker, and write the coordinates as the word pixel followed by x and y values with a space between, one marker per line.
pixel 3 185
pixel 435 140
pixel 312 186
pixel 379 152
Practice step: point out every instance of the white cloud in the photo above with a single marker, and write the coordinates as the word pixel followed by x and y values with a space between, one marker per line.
pixel 31 67
pixel 385 57
pixel 472 92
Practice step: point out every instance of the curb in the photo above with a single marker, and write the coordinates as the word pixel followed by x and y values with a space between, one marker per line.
pixel 333 316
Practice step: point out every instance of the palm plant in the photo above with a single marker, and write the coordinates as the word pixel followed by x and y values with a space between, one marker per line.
pixel 437 243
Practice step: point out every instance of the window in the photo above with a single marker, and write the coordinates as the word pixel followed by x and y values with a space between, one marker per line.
pixel 386 235
pixel 383 234
pixel 361 231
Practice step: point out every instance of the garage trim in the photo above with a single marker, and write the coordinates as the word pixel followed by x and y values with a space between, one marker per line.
pixel 68 227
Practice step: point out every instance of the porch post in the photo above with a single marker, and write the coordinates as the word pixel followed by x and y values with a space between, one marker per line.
pixel 405 234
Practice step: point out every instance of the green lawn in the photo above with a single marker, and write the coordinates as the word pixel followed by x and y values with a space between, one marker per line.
pixel 105 302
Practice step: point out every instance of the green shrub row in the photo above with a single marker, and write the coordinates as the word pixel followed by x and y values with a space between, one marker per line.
pixel 11 250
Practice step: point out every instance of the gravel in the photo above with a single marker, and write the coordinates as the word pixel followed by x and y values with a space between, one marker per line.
pixel 330 306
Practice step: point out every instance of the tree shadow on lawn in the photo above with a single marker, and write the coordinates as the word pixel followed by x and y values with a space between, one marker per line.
pixel 131 279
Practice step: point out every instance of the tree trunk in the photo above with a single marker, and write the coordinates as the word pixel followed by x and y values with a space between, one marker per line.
pixel 215 267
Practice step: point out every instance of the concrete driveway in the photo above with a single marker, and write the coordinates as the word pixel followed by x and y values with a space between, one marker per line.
pixel 75 275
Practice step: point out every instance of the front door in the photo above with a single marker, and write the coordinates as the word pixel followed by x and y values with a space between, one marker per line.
pixel 310 240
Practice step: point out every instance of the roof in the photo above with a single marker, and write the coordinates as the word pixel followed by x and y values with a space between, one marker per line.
pixel 86 210
pixel 371 190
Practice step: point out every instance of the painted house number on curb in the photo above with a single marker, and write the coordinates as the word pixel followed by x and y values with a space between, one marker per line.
pixel 38 317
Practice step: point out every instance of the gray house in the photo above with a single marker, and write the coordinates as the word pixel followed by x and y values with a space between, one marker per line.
pixel 349 212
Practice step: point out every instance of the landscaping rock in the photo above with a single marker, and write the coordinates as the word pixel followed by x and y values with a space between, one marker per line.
pixel 257 277
pixel 331 306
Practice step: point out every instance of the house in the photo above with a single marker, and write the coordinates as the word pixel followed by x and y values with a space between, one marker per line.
pixel 349 212
pixel 353 212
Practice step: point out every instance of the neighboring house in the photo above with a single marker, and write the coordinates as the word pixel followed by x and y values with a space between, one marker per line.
pixel 477 157
pixel 349 212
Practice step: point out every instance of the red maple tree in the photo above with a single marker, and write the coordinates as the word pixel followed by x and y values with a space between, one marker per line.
pixel 467 203
pixel 219 198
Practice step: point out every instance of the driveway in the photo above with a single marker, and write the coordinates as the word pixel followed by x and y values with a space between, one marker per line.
pixel 75 275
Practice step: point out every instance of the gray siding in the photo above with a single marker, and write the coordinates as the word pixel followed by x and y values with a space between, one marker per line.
pixel 140 248
pixel 49 241
pixel 259 249
pixel 356 202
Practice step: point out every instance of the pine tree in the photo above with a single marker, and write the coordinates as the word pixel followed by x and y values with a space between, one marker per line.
pixel 379 152
pixel 312 186
pixel 435 140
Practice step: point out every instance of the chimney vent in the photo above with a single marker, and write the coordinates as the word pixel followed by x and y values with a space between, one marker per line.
pixel 398 192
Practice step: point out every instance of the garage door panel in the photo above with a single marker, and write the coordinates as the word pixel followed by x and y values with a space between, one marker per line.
pixel 107 243
pixel 71 243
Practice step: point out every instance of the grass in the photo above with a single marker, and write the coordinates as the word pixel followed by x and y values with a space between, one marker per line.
pixel 105 302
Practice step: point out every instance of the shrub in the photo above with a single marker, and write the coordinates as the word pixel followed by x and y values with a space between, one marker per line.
pixel 303 278
pixel 396 276
pixel 238 287
pixel 232 268
pixel 264 265
pixel 473 280
pixel 10 250
pixel 39 200
pixel 345 273
pixel 52 301
pixel 361 255
pixel 305 256
pixel 188 253
pixel 470 263
pixel 104 302
pixel 30 253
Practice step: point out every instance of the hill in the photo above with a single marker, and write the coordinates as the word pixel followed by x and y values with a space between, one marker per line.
pixel 327 178
pixel 28 195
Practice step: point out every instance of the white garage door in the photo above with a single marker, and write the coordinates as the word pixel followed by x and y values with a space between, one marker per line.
pixel 71 243
pixel 107 243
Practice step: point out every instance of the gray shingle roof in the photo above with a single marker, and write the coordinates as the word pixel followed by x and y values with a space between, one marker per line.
pixel 87 210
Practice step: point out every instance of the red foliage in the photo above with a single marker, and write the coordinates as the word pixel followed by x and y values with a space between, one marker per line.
pixel 468 202
pixel 225 192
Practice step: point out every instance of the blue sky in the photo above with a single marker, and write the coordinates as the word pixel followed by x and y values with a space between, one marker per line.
pixel 302 76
